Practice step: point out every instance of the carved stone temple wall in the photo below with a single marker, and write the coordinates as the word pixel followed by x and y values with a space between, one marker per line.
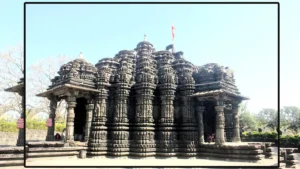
pixel 144 102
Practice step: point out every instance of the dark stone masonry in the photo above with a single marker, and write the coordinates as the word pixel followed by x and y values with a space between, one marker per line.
pixel 144 102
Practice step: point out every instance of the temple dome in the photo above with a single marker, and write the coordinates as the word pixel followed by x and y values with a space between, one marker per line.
pixel 144 47
pixel 214 72
pixel 78 69
pixel 144 43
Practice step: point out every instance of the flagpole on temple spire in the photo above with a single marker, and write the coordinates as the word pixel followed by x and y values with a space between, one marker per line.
pixel 173 33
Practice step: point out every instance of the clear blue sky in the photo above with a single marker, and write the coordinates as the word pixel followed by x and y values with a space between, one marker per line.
pixel 243 37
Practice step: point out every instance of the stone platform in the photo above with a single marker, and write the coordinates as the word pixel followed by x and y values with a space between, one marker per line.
pixel 175 162
pixel 228 152
pixel 52 149
pixel 232 151
pixel 11 156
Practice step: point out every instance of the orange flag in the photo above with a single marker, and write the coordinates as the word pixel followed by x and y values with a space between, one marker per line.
pixel 173 32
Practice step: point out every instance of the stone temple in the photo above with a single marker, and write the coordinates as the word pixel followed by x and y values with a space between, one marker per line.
pixel 144 102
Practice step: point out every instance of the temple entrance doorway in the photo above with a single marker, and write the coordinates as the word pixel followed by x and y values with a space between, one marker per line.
pixel 209 120
pixel 80 119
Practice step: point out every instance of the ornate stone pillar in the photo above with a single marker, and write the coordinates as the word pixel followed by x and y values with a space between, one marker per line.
pixel 50 132
pixel 166 128
pixel 143 133
pixel 220 123
pixel 119 134
pixel 71 100
pixel 236 123
pixel 200 109
pixel 98 139
pixel 89 115
pixel 188 134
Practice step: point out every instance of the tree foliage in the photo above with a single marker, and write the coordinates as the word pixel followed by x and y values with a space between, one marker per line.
pixel 290 118
pixel 40 75
pixel 268 118
pixel 247 120
pixel 11 70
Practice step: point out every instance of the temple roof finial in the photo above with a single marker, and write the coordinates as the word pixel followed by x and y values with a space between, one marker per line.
pixel 145 37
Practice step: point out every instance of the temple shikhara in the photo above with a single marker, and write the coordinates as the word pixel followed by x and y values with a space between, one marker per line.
pixel 144 102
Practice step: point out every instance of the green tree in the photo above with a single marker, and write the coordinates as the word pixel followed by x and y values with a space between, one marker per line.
pixel 290 118
pixel 247 120
pixel 268 118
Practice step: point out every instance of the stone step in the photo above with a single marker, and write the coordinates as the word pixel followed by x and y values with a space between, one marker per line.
pixel 11 156
pixel 54 149
pixel 118 153
pixel 166 154
pixel 232 147
pixel 46 144
pixel 11 150
pixel 51 154
pixel 96 153
pixel 12 163
pixel 143 154
pixel 235 156
pixel 245 152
